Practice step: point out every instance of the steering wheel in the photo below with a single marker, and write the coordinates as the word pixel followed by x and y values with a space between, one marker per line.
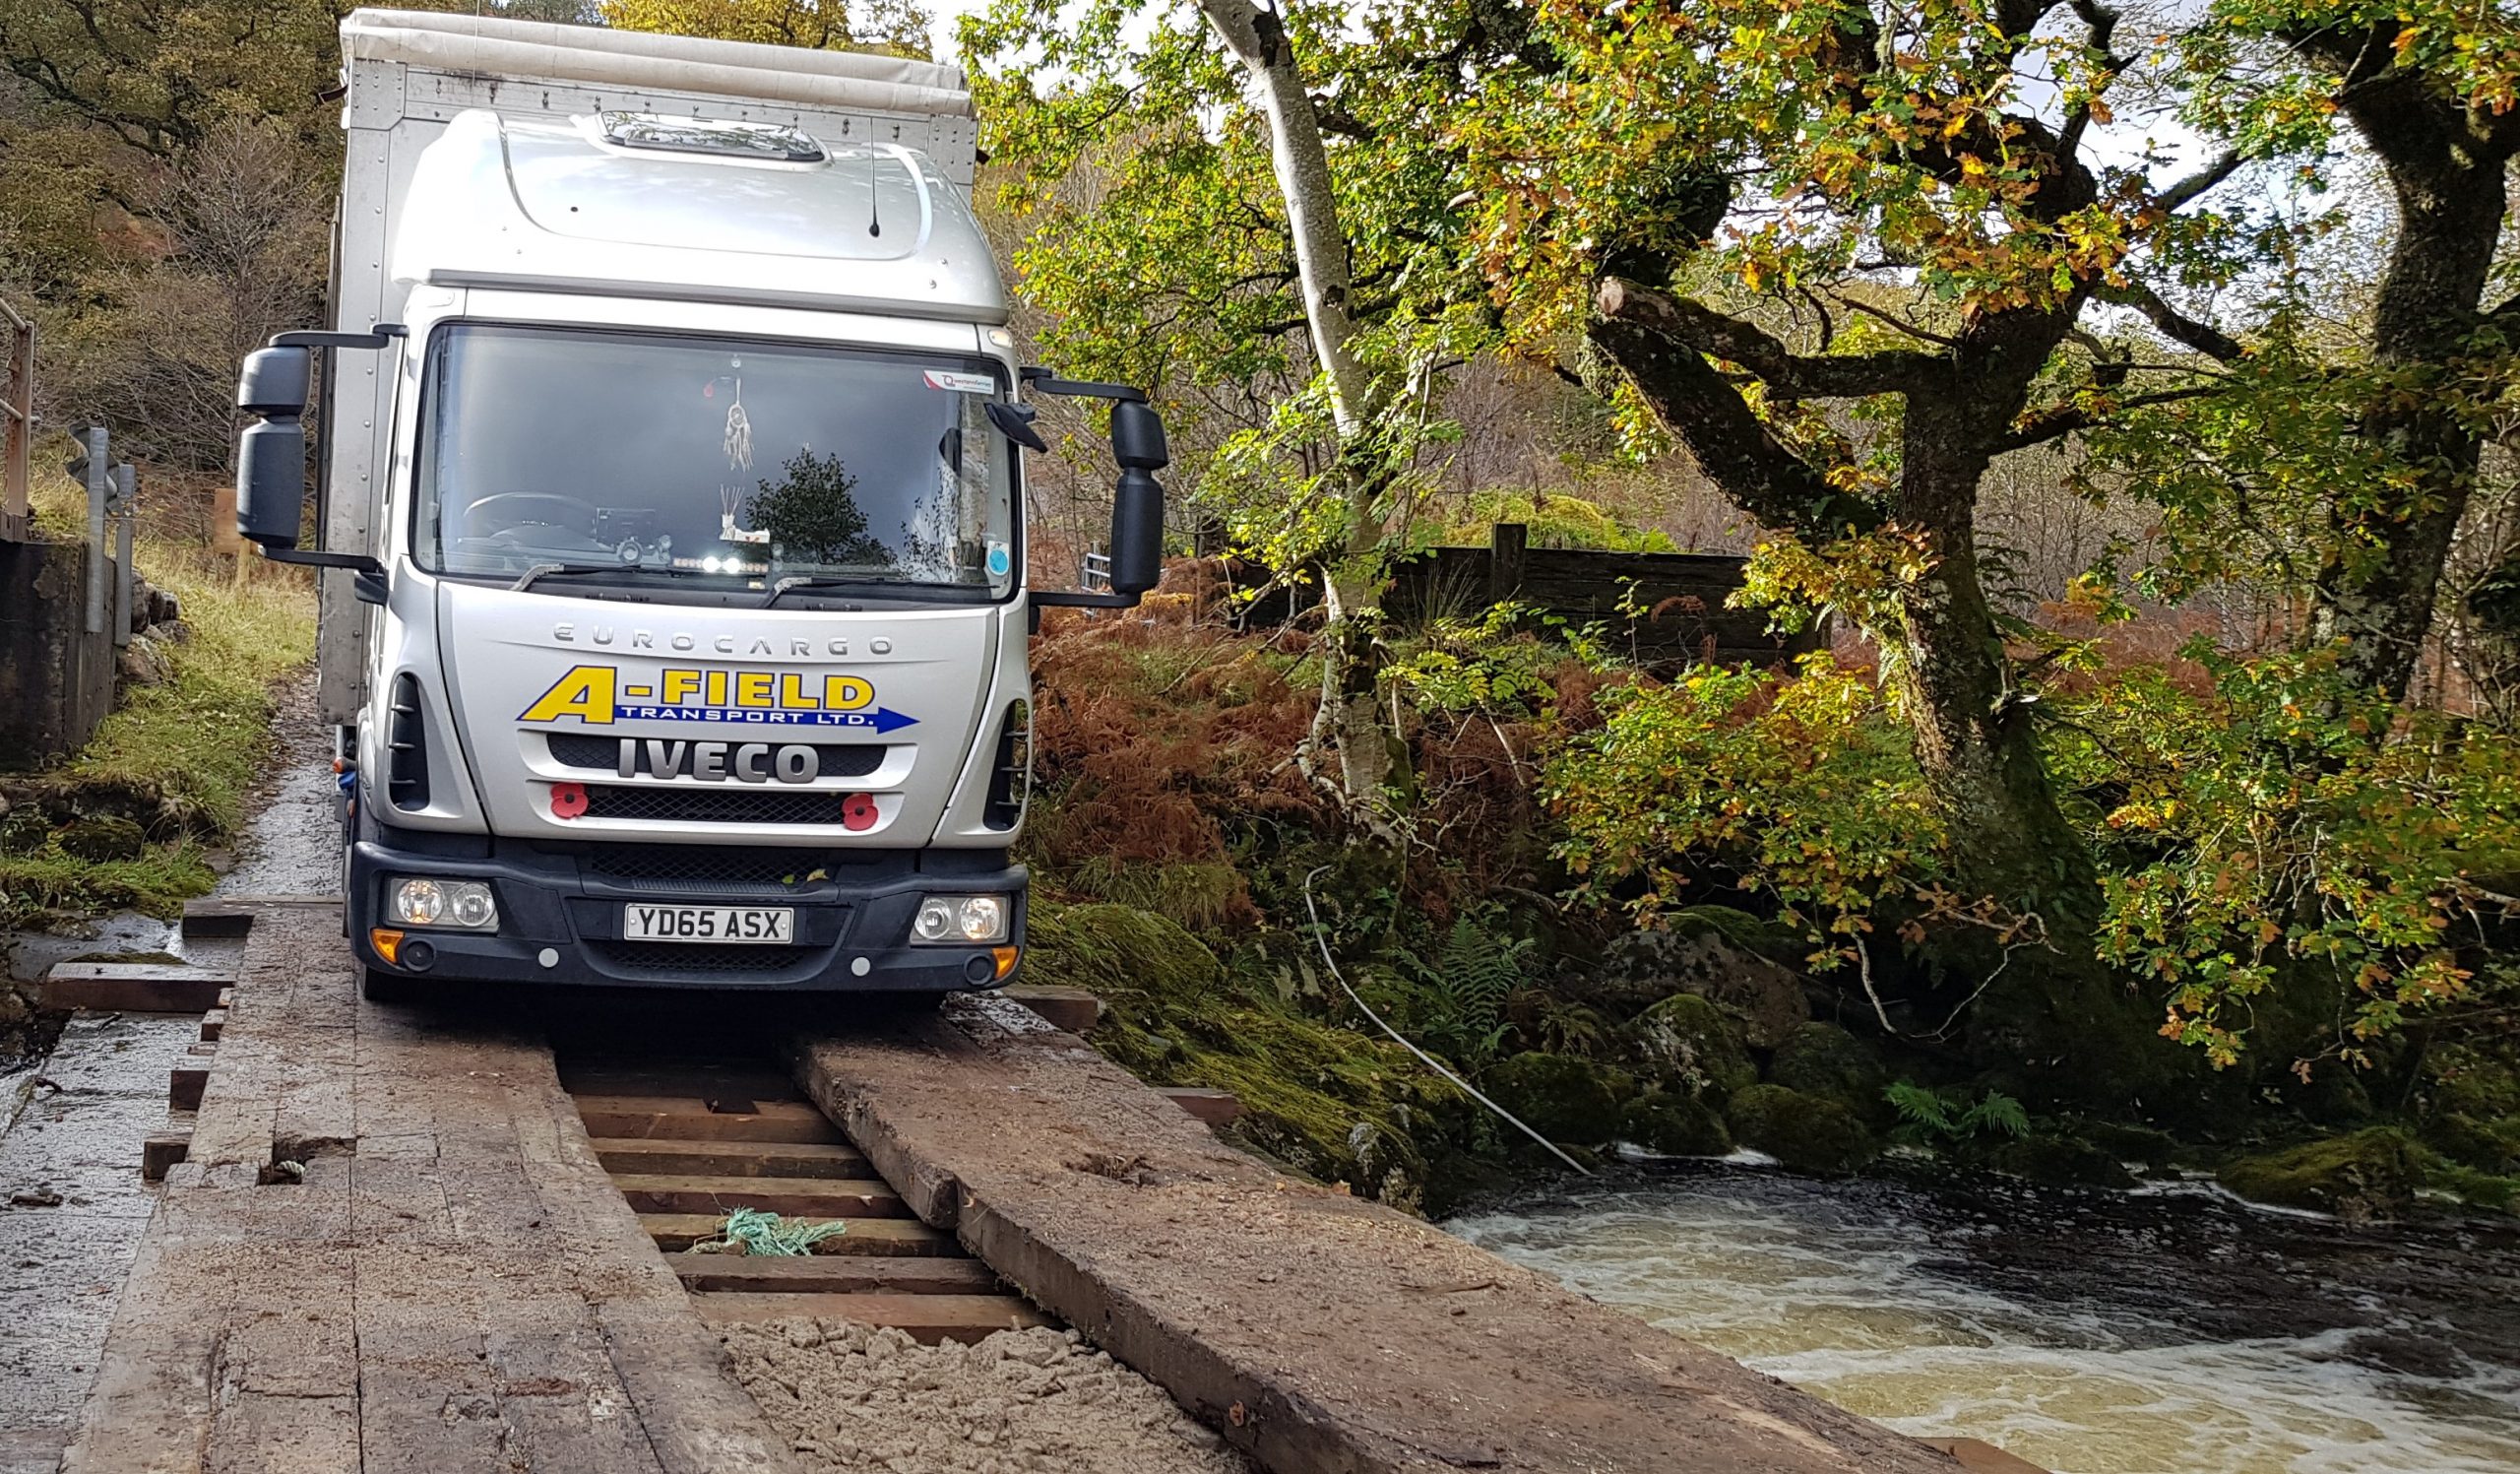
pixel 586 510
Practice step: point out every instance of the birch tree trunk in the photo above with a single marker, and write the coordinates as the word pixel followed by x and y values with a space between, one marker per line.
pixel 1348 721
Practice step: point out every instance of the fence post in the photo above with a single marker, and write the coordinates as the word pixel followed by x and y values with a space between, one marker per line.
pixel 101 474
pixel 17 423
pixel 127 512
pixel 1507 542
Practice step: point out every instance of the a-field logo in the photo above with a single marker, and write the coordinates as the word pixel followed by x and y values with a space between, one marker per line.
pixel 600 695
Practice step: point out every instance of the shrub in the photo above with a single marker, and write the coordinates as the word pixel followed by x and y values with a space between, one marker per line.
pixel 2286 828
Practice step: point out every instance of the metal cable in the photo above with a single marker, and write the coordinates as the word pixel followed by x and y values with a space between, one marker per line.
pixel 1320 938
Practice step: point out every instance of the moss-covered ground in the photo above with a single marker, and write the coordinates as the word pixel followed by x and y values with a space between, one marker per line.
pixel 129 821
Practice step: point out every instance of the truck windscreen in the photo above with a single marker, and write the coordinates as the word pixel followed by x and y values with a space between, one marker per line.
pixel 672 457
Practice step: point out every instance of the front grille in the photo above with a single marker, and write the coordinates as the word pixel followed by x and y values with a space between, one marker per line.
pixel 573 749
pixel 705 868
pixel 665 961
pixel 712 806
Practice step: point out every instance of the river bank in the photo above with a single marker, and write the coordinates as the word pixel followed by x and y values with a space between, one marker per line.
pixel 2169 1329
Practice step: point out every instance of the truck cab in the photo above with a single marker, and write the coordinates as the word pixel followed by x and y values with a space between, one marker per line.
pixel 687 639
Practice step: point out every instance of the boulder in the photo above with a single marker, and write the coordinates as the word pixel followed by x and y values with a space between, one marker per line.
pixel 2155 1150
pixel 1708 953
pixel 1690 1046
pixel 1806 1133
pixel 102 837
pixel 1561 1097
pixel 1673 1126
pixel 143 662
pixel 1819 1058
pixel 2370 1174
pixel 2485 1145
pixel 2058 1162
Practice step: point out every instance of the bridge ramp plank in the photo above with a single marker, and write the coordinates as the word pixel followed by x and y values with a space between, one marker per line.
pixel 1316 1330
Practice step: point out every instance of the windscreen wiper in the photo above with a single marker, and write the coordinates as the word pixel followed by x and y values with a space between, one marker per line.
pixel 562 570
pixel 833 581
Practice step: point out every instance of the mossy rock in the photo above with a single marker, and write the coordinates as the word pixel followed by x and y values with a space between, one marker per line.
pixel 1716 953
pixel 2057 1161
pixel 23 831
pixel 1820 1058
pixel 1673 1126
pixel 1689 1045
pixel 1561 1097
pixel 2131 1143
pixel 2472 1081
pixel 1806 1133
pixel 101 837
pixel 2370 1174
pixel 2485 1145
pixel 1103 949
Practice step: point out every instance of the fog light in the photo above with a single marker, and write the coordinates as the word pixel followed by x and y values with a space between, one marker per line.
pixel 961 920
pixel 421 901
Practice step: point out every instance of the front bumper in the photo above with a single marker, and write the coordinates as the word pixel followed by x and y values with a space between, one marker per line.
pixel 560 915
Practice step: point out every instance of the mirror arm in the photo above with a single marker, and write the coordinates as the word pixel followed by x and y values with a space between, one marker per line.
pixel 1050 383
pixel 367 575
pixel 378 335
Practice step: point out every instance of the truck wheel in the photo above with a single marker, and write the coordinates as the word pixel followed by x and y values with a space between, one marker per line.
pixel 387 987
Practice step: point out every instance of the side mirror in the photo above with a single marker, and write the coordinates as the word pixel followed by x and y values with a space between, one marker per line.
pixel 271 455
pixel 1137 502
pixel 276 381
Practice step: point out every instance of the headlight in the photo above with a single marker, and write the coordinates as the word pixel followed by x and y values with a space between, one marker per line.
pixel 961 920
pixel 421 901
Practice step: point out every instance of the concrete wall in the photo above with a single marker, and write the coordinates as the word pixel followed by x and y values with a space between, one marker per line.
pixel 56 680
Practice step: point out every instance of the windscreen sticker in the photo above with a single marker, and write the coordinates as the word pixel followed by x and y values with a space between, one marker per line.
pixel 1001 561
pixel 964 383
pixel 598 696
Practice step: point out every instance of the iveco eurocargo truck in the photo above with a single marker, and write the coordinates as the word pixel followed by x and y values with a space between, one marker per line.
pixel 675 632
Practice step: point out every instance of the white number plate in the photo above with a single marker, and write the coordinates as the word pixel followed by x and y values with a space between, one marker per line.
pixel 721 924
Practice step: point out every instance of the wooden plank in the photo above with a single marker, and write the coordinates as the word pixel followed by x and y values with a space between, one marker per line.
pixel 793 1197
pixel 698 1082
pixel 928 1319
pixel 213 1024
pixel 218 918
pixel 692 1120
pixel 756 1159
pixel 1070 1008
pixel 1310 1327
pixel 836 1274
pixel 184 1086
pixel 162 1150
pixel 878 1237
pixel 132 988
pixel 1214 1108
pixel 510 1312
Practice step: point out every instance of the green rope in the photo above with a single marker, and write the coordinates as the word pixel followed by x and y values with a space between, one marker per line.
pixel 749 1231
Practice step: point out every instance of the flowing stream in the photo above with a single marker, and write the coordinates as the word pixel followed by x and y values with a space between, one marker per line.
pixel 2169 1330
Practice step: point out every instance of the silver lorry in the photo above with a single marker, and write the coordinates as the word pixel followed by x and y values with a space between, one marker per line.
pixel 670 426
